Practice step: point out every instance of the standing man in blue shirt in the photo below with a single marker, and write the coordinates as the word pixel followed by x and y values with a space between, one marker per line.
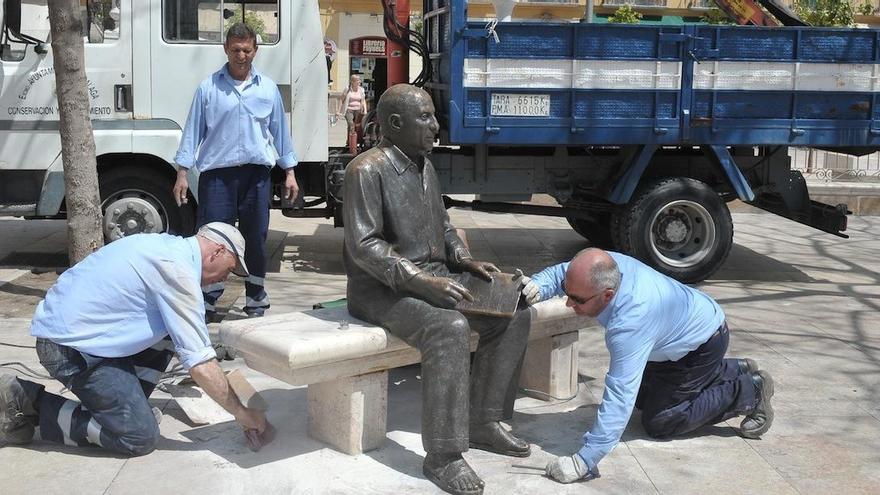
pixel 103 331
pixel 235 132
pixel 667 343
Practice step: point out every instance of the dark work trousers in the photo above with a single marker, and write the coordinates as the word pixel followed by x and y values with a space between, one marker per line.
pixel 113 411
pixel 701 388
pixel 448 385
pixel 239 193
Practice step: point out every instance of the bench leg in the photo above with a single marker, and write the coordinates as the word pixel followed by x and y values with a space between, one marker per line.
pixel 350 413
pixel 551 367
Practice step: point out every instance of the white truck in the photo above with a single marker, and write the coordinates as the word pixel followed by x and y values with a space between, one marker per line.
pixel 143 61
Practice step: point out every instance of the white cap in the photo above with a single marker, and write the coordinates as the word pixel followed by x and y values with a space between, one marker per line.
pixel 230 238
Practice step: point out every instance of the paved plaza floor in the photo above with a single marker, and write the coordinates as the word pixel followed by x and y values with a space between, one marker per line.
pixel 805 304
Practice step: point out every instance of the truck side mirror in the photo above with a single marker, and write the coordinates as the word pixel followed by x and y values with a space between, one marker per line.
pixel 41 48
pixel 12 9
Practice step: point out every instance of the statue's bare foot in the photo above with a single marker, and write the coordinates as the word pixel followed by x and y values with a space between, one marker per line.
pixel 452 474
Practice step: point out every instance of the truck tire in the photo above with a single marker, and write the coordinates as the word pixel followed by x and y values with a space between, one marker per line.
pixel 679 226
pixel 597 232
pixel 138 200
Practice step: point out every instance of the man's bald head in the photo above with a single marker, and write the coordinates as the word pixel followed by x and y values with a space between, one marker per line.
pixel 596 268
pixel 591 281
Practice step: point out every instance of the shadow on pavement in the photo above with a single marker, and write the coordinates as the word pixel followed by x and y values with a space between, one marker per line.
pixel 745 264
pixel 29 259
pixel 92 452
pixel 21 290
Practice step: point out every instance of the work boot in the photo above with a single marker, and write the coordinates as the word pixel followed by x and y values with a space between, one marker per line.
pixel 212 317
pixel 747 366
pixel 18 412
pixel 758 421
pixel 254 312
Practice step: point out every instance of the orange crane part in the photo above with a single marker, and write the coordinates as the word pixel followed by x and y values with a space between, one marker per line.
pixel 746 12
pixel 398 55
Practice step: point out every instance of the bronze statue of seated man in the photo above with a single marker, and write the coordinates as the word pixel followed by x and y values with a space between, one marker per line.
pixel 405 264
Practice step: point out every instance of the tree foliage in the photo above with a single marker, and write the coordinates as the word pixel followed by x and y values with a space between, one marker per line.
pixel 836 13
pixel 717 17
pixel 625 15
pixel 251 19
pixel 866 8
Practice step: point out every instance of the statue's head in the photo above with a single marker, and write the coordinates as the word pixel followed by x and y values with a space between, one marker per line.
pixel 406 117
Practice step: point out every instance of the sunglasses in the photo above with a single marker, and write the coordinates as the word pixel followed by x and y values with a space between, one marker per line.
pixel 578 300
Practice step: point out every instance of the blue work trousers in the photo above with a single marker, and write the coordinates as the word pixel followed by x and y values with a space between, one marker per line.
pixel 703 387
pixel 113 412
pixel 239 194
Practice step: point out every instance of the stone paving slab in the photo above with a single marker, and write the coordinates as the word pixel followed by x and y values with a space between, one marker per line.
pixel 803 303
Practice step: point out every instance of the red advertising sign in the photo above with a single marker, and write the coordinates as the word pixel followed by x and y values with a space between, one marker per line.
pixel 372 46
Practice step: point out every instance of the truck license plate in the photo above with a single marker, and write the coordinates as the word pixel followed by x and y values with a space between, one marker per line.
pixel 514 105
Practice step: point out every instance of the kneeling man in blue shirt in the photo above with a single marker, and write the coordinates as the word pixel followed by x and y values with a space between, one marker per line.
pixel 107 330
pixel 667 343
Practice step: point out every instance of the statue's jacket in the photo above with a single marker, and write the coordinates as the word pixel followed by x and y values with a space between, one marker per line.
pixel 396 225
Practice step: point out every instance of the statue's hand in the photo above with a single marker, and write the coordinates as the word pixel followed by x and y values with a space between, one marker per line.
pixel 481 269
pixel 439 291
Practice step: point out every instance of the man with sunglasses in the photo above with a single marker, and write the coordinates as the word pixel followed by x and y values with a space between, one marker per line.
pixel 667 343
pixel 107 331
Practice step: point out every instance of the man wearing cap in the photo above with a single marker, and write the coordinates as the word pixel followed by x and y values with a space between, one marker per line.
pixel 107 330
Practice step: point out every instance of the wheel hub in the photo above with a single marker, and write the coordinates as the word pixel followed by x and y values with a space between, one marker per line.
pixel 673 228
pixel 131 215
pixel 682 233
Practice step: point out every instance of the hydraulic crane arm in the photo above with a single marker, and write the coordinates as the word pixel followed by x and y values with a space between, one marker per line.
pixel 750 12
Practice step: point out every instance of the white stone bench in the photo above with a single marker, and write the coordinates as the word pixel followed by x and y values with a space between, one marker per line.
pixel 345 363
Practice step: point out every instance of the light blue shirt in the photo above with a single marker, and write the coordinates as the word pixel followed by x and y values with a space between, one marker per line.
pixel 228 128
pixel 652 317
pixel 126 297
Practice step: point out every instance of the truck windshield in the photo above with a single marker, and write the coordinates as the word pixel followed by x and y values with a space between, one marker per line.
pixel 206 22
pixel 27 23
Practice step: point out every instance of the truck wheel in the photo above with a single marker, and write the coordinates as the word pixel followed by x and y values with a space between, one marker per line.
pixel 135 200
pixel 597 232
pixel 679 226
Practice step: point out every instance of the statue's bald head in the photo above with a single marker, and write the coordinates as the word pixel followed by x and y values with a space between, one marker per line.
pixel 399 99
pixel 406 118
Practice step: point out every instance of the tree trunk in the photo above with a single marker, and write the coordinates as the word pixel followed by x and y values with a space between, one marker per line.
pixel 83 200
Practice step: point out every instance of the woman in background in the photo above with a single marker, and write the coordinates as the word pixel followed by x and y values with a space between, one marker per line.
pixel 354 104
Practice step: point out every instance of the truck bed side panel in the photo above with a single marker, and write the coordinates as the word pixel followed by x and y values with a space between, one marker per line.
pixel 604 84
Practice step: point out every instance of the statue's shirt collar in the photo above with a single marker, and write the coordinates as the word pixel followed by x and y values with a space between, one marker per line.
pixel 398 158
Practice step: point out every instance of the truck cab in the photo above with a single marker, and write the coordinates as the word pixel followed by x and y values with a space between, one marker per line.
pixel 143 62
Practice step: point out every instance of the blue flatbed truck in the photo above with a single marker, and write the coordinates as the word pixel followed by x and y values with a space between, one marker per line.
pixel 642 133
